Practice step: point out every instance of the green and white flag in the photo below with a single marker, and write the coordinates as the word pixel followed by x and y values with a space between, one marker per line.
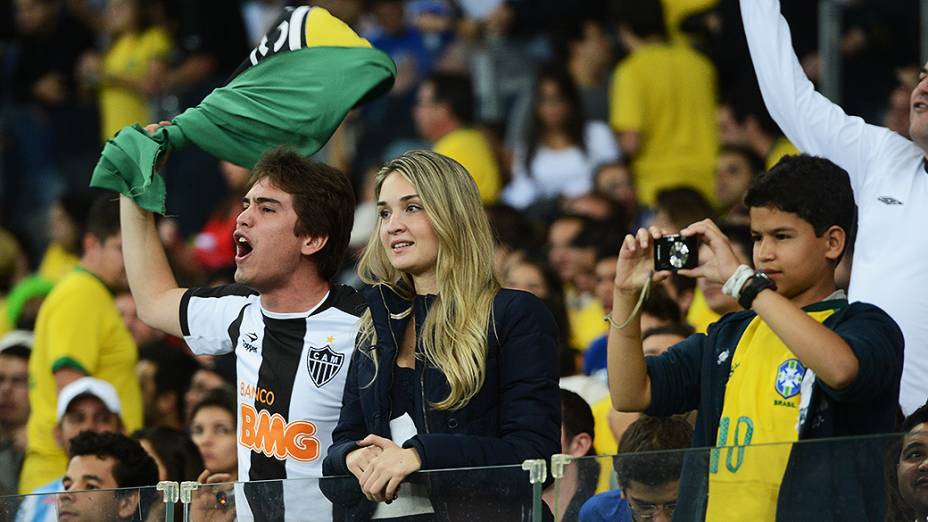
pixel 294 89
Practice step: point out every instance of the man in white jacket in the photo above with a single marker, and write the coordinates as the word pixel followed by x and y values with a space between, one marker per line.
pixel 889 176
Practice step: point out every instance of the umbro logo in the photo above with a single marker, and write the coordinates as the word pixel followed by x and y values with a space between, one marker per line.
pixel 887 200
pixel 248 342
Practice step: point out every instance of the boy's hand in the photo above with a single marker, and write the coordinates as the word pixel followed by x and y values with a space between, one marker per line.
pixel 636 261
pixel 717 260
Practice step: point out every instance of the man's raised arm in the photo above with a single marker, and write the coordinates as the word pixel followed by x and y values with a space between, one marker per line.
pixel 157 297
pixel 811 122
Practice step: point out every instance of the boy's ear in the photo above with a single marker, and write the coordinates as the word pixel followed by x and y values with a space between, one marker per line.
pixel 313 244
pixel 835 240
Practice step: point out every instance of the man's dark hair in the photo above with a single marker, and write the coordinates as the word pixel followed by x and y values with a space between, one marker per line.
pixel 174 371
pixel 103 217
pixel 322 198
pixel 644 18
pixel 218 398
pixel 636 460
pixel 755 162
pixel 679 329
pixel 684 206
pixel 815 189
pixel 456 91
pixel 177 452
pixel 660 305
pixel 577 417
pixel 20 351
pixel 134 468
pixel 741 236
pixel 746 101
pixel 919 416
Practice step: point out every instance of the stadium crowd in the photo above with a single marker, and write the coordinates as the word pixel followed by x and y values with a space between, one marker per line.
pixel 589 131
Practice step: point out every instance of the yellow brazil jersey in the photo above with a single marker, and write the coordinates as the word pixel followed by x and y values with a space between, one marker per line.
pixel 56 263
pixel 666 93
pixel 129 58
pixel 676 11
pixel 700 316
pixel 781 147
pixel 471 149
pixel 761 409
pixel 78 327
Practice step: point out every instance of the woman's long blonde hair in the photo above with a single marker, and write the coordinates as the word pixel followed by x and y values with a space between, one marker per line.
pixel 454 335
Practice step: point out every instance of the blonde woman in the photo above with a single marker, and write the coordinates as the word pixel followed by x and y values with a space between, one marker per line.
pixel 451 370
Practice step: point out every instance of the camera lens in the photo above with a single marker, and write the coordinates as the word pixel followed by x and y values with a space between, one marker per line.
pixel 679 254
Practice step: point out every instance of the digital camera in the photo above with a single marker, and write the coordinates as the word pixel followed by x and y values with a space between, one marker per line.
pixel 675 252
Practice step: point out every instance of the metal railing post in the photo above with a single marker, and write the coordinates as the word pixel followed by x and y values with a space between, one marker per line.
pixel 829 48
pixel 537 473
pixel 170 493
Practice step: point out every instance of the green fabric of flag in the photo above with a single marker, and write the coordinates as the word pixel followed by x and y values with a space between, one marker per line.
pixel 295 98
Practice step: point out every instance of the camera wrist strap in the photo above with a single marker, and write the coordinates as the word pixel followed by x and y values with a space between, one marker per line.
pixel 645 291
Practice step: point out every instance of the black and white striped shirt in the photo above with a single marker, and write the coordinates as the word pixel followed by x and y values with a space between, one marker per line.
pixel 290 369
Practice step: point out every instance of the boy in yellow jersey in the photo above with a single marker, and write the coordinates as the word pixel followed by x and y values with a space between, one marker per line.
pixel 798 363
pixel 80 333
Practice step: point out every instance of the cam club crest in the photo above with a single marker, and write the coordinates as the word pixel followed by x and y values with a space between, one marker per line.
pixel 323 364
pixel 789 378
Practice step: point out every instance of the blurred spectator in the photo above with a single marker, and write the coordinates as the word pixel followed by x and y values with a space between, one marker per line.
pixel 579 481
pixel 127 73
pixel 743 120
pixel 589 58
pixel 176 455
pixel 86 404
pixel 908 499
pixel 403 42
pixel 560 150
pixel 648 481
pixel 13 267
pixel 536 277
pixel 40 116
pixel 678 207
pixel 737 166
pixel 258 15
pixel 108 461
pixel 561 233
pixel 79 332
pixel 616 182
pixel 212 428
pixel 15 348
pixel 25 301
pixel 165 373
pixel 515 235
pixel 444 115
pixel 743 246
pixel 897 105
pixel 658 339
pixel 593 206
pixel 662 105
pixel 142 334
pixel 67 218
pixel 215 373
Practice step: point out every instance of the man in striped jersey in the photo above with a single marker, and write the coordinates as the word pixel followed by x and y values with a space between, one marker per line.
pixel 292 331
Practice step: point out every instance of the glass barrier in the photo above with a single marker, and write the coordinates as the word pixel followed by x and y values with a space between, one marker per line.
pixel 103 505
pixel 502 493
pixel 819 480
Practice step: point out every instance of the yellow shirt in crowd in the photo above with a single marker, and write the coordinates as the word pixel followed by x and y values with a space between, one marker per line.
pixel 56 263
pixel 761 407
pixel 666 93
pixel 470 148
pixel 781 147
pixel 78 327
pixel 129 58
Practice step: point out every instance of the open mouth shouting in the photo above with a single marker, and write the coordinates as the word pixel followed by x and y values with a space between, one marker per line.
pixel 399 246
pixel 243 247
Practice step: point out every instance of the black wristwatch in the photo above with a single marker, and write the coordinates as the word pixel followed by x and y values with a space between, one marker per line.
pixel 754 286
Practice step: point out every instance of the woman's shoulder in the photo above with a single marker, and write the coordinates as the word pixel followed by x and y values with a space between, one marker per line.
pixel 511 303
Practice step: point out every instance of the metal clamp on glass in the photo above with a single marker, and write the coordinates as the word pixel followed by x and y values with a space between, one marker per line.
pixel 186 491
pixel 558 463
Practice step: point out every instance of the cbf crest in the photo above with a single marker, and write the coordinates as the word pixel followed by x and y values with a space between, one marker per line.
pixel 789 378
pixel 323 364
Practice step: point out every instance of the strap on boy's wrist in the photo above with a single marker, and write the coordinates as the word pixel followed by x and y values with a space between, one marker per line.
pixel 735 283
pixel 755 285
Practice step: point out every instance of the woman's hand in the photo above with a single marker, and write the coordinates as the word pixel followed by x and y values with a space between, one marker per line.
pixel 359 459
pixel 382 478
pixel 211 502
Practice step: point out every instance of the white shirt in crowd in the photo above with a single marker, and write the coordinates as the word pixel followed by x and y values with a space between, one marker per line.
pixel 560 172
pixel 890 181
